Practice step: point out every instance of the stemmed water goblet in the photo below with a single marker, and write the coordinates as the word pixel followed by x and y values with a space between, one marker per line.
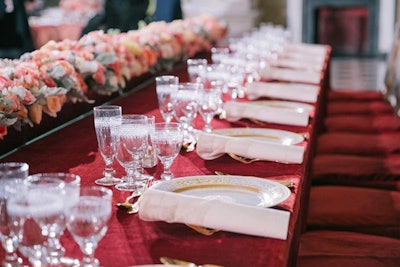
pixel 167 139
pixel 54 250
pixel 106 121
pixel 210 103
pixel 195 66
pixel 186 107
pixel 126 160
pixel 165 86
pixel 43 201
pixel 11 174
pixel 87 221
pixel 218 54
pixel 132 138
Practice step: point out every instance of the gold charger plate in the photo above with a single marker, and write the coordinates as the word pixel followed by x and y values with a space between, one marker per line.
pixel 246 190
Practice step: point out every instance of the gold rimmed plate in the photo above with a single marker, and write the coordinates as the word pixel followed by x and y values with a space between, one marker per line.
pixel 246 190
pixel 271 135
pixel 290 105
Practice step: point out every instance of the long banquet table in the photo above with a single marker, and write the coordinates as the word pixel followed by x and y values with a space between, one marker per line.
pixel 131 241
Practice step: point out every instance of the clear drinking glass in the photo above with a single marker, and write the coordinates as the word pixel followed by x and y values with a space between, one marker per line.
pixel 106 121
pixel 44 203
pixel 210 104
pixel 132 135
pixel 167 139
pixel 186 101
pixel 126 160
pixel 11 173
pixel 165 86
pixel 194 67
pixel 215 73
pixel 55 250
pixel 218 53
pixel 87 221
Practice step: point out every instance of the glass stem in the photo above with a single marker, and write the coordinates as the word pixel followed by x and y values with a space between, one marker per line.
pixel 55 250
pixel 109 171
pixel 207 127
pixel 130 175
pixel 11 257
pixel 167 174
pixel 88 259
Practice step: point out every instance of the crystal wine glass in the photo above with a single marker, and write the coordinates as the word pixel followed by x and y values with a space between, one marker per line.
pixel 165 86
pixel 210 104
pixel 167 139
pixel 106 121
pixel 87 221
pixel 11 173
pixel 132 135
pixel 126 160
pixel 186 107
pixel 44 203
pixel 55 250
pixel 194 67
pixel 218 53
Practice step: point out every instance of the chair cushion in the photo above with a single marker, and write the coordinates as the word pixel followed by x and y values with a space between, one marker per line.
pixel 357 107
pixel 358 143
pixel 362 123
pixel 357 170
pixel 347 249
pixel 366 210
pixel 351 95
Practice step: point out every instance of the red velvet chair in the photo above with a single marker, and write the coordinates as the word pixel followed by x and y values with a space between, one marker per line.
pixel 359 143
pixel 355 95
pixel 373 107
pixel 355 170
pixel 362 123
pixel 356 209
pixel 347 249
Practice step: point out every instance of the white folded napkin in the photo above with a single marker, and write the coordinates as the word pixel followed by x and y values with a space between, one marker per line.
pixel 289 75
pixel 289 91
pixel 234 111
pixel 211 146
pixel 216 213
pixel 294 63
pixel 315 51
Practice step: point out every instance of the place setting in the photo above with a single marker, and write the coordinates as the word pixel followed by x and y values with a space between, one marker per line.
pixel 213 202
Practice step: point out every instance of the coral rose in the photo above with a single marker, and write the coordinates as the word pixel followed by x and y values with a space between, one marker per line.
pixel 53 105
pixel 3 131
pixel 35 113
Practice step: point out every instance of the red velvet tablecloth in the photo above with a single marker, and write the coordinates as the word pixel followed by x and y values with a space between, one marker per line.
pixel 130 241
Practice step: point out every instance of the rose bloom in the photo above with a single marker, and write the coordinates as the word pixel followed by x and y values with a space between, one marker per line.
pixel 3 131
pixel 13 103
pixel 35 113
pixel 53 105
pixel 5 82
pixel 22 113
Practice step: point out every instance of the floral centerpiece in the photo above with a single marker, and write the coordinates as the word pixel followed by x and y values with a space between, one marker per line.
pixel 43 81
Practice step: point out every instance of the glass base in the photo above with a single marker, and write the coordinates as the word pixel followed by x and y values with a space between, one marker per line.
pixel 135 188
pixel 66 262
pixel 108 181
pixel 16 262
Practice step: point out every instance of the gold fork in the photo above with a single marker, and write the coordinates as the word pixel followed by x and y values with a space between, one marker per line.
pixel 242 159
